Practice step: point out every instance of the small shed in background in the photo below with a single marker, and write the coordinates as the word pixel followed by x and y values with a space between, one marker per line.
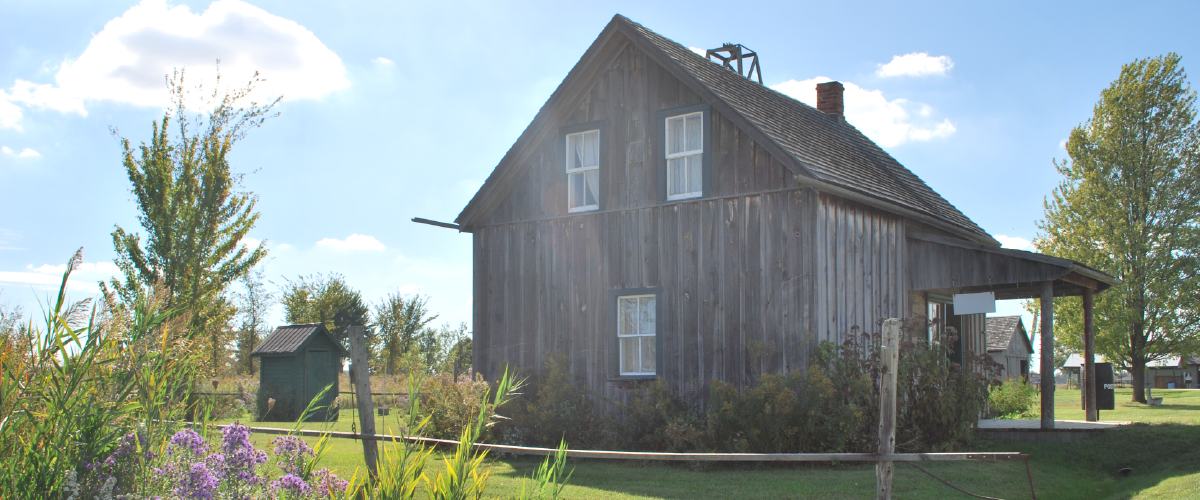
pixel 1008 344
pixel 298 362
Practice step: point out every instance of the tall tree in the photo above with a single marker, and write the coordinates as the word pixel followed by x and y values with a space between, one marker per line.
pixel 401 319
pixel 327 300
pixel 191 210
pixel 1129 204
pixel 253 305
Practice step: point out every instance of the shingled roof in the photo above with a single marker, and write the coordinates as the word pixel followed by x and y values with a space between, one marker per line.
pixel 829 153
pixel 291 338
pixel 828 149
pixel 1000 332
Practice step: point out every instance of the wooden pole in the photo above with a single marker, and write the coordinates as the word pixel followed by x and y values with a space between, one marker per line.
pixel 1089 355
pixel 1047 355
pixel 362 391
pixel 889 359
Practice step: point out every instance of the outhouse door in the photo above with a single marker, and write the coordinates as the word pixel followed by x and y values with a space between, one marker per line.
pixel 318 374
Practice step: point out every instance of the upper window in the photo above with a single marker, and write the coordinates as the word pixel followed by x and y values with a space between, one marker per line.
pixel 636 332
pixel 685 156
pixel 583 170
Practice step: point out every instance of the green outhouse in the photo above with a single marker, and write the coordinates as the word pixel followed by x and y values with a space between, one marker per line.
pixel 297 363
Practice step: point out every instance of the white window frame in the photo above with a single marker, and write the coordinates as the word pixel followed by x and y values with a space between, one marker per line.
pixel 582 171
pixel 638 335
pixel 683 154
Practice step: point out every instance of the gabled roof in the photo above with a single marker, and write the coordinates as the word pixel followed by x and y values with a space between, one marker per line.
pixel 819 150
pixel 292 338
pixel 1002 329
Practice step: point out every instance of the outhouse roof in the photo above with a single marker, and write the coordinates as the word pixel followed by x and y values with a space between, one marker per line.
pixel 292 338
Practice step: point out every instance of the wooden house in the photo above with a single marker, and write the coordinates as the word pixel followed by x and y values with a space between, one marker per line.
pixel 1008 345
pixel 666 216
pixel 297 363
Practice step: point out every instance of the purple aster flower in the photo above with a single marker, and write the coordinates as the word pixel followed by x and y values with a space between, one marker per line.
pixel 293 453
pixel 328 483
pixel 198 483
pixel 290 484
pixel 187 439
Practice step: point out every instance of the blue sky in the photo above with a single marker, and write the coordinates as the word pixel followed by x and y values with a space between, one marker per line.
pixel 396 110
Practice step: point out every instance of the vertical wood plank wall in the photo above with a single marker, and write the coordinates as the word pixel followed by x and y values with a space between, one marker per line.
pixel 734 272
pixel 859 266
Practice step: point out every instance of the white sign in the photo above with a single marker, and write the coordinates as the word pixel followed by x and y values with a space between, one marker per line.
pixel 974 303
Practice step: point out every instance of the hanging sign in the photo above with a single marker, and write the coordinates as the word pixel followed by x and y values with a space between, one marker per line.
pixel 974 303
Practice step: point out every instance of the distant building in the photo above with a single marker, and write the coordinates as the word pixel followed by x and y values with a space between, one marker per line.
pixel 1175 372
pixel 1008 344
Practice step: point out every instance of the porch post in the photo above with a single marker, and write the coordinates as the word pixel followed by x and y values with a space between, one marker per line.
pixel 1089 363
pixel 1047 355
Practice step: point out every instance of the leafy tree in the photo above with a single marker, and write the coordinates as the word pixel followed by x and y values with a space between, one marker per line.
pixel 458 358
pixel 1129 204
pixel 253 305
pixel 192 212
pixel 402 320
pixel 327 300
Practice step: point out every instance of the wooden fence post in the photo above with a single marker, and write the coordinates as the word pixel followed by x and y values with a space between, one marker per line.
pixel 362 394
pixel 889 360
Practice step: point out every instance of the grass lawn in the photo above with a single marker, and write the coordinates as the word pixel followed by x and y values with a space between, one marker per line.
pixel 1163 449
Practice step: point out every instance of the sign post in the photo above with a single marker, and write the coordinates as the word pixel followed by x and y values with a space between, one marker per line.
pixel 889 360
pixel 360 374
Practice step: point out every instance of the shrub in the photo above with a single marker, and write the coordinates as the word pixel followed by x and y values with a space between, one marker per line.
pixel 658 419
pixel 1014 398
pixel 452 404
pixel 795 413
pixel 831 407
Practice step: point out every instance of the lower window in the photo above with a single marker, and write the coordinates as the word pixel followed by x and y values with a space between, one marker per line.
pixel 636 334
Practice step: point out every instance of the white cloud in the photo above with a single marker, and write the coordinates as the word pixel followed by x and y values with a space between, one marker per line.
pixel 1014 242
pixel 383 61
pixel 48 276
pixel 888 123
pixel 127 60
pixel 699 51
pixel 915 64
pixel 1062 144
pixel 6 150
pixel 284 246
pixel 10 114
pixel 29 153
pixel 352 242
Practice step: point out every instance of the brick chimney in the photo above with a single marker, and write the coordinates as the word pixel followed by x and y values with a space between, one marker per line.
pixel 829 100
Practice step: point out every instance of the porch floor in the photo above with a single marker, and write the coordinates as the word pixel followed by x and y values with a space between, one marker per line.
pixel 1066 425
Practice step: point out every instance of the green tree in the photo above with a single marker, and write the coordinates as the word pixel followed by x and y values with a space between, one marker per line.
pixel 192 212
pixel 401 321
pixel 1129 204
pixel 326 300
pixel 253 305
pixel 458 358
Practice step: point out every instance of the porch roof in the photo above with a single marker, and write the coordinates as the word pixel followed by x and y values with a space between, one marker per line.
pixel 948 265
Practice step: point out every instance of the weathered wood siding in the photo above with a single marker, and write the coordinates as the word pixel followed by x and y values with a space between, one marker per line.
pixel 859 264
pixel 732 272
